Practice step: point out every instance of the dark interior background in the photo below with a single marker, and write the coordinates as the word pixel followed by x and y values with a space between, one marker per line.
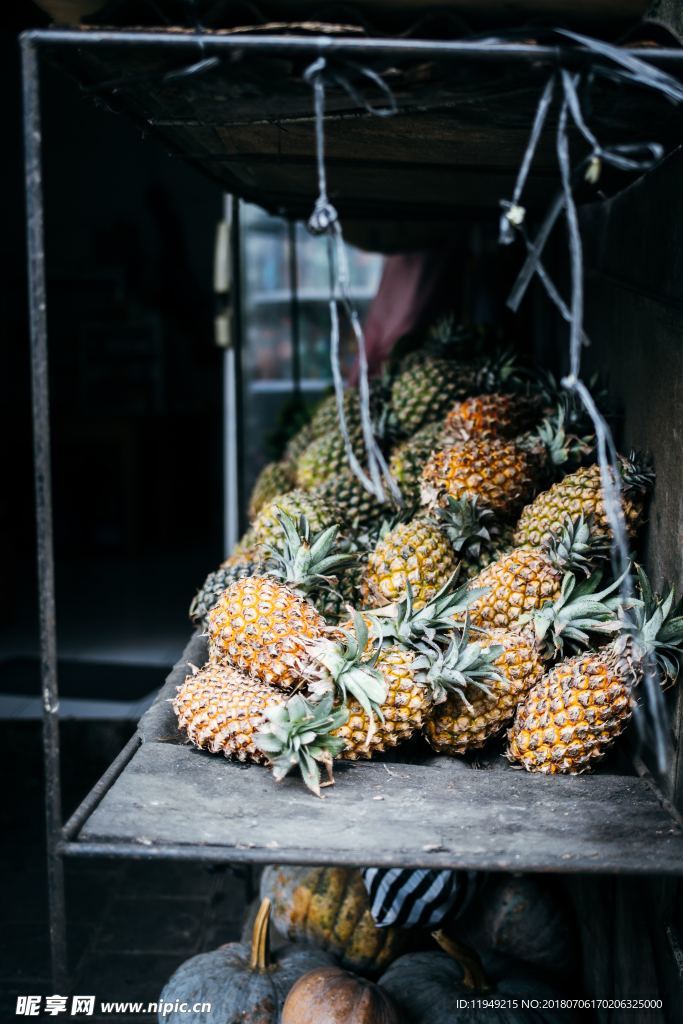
pixel 134 373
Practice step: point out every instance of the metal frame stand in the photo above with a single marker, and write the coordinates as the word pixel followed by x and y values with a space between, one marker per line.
pixel 61 840
pixel 45 540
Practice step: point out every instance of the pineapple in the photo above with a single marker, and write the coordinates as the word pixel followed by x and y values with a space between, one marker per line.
pixel 581 492
pixel 426 391
pixel 426 552
pixel 297 444
pixel 408 459
pixel 572 716
pixel 525 579
pixel 275 478
pixel 267 532
pixel 263 624
pixel 382 711
pixel 483 417
pixel 418 553
pixel 216 582
pixel 246 550
pixel 471 714
pixel 326 457
pixel 361 510
pixel 221 710
pixel 501 474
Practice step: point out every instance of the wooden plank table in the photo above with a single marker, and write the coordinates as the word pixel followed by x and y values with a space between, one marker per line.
pixel 440 813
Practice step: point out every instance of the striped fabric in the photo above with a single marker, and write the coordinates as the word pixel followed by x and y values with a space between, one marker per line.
pixel 418 898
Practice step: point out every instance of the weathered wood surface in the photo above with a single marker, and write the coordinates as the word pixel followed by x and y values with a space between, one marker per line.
pixel 455 144
pixel 441 814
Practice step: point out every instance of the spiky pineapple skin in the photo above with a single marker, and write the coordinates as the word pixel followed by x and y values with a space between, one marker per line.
pixel 326 418
pixel 500 473
pixel 482 417
pixel 216 582
pixel 571 717
pixel 275 478
pixel 454 728
pixel 408 459
pixel 405 709
pixel 417 552
pixel 326 457
pixel 297 444
pixel 359 509
pixel 266 531
pixel 221 710
pixel 521 581
pixel 578 492
pixel 427 389
pixel 259 626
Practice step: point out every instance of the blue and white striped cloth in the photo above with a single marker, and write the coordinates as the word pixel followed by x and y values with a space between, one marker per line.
pixel 418 898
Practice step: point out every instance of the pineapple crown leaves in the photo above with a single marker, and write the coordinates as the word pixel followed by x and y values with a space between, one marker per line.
pixel 433 622
pixel 337 669
pixel 298 734
pixel 499 371
pixel 307 561
pixel 637 472
pixel 554 444
pixel 461 665
pixel 654 626
pixel 465 523
pixel 580 611
pixel 577 544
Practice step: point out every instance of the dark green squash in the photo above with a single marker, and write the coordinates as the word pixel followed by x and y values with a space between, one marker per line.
pixel 331 995
pixel 329 908
pixel 241 982
pixel 523 917
pixel 425 987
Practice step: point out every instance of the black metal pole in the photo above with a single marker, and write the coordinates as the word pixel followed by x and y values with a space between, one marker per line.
pixel 327 45
pixel 45 547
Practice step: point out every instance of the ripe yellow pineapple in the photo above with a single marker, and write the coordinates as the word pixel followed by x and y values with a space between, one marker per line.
pixel 418 552
pixel 501 474
pixel 524 579
pixel 572 716
pixel 471 715
pixel 402 712
pixel 483 417
pixel 581 493
pixel 426 552
pixel 221 710
pixel 480 706
pixel 262 624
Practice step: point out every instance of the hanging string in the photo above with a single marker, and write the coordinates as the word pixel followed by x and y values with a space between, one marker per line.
pixel 513 213
pixel 325 221
pixel 651 717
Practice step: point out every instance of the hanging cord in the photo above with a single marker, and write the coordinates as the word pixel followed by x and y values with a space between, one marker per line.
pixel 651 716
pixel 325 221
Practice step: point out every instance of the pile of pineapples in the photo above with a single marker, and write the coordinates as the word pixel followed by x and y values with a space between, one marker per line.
pixel 483 606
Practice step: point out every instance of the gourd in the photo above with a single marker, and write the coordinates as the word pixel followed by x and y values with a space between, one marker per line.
pixel 424 987
pixel 241 983
pixel 329 907
pixel 520 916
pixel 330 995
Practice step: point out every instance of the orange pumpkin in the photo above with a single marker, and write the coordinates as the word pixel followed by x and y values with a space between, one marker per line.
pixel 330 995
pixel 329 908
